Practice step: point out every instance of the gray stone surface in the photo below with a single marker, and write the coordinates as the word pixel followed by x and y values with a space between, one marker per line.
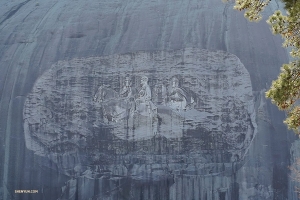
pixel 196 93
pixel 199 110
pixel 37 35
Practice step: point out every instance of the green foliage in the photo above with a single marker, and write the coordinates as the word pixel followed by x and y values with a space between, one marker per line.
pixel 288 27
pixel 253 8
pixel 285 91
pixel 289 3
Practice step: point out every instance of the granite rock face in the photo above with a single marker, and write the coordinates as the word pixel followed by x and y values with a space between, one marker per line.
pixel 143 117
pixel 63 108
pixel 139 96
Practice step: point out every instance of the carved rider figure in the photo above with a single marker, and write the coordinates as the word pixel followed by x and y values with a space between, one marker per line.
pixel 177 97
pixel 144 106
pixel 126 91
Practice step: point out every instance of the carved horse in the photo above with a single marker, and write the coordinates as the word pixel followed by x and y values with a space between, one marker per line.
pixel 104 94
pixel 114 108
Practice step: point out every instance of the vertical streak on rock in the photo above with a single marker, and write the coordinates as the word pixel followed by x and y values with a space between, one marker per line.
pixel 11 126
pixel 161 40
pixel 11 12
pixel 13 87
pixel 224 29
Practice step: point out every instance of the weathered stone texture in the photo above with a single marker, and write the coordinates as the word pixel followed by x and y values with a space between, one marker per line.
pixel 193 93
pixel 202 125
pixel 37 35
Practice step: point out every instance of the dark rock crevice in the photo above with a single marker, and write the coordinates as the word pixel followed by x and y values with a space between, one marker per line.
pixel 12 11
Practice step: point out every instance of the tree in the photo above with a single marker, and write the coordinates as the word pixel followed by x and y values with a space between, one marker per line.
pixel 285 91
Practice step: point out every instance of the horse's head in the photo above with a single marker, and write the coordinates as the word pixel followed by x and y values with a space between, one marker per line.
pixel 104 93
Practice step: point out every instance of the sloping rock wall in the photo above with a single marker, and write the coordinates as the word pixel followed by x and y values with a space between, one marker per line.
pixel 176 118
pixel 36 35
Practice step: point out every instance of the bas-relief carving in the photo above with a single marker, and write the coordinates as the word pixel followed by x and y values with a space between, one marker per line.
pixel 128 108
pixel 145 117
pixel 177 99
pixel 145 106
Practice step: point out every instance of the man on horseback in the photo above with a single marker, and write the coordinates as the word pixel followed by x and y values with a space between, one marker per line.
pixel 144 105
